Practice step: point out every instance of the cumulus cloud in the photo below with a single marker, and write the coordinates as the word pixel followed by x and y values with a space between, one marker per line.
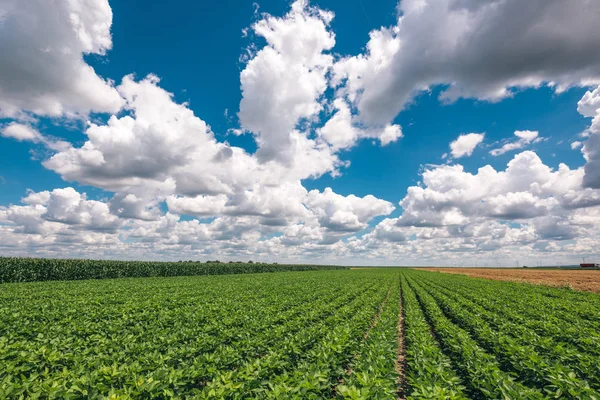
pixel 341 132
pixel 22 132
pixel 70 207
pixel 478 49
pixel 162 148
pixel 128 205
pixel 42 69
pixel 160 137
pixel 60 212
pixel 526 208
pixel 576 145
pixel 589 106
pixel 528 191
pixel 464 145
pixel 525 138
pixel 345 213
pixel 282 84
pixel 287 205
pixel 274 204
pixel 174 189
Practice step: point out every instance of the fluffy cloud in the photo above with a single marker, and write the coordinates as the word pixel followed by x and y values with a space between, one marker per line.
pixel 480 49
pixel 57 217
pixel 67 206
pixel 589 106
pixel 341 132
pixel 162 148
pixel 303 105
pixel 525 138
pixel 274 204
pixel 526 203
pixel 22 132
pixel 282 84
pixel 526 209
pixel 65 217
pixel 345 214
pixel 128 205
pixel 526 189
pixel 42 69
pixel 464 145
pixel 287 205
pixel 154 148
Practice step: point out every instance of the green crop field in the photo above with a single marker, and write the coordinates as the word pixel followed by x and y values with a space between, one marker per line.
pixel 325 334
pixel 44 269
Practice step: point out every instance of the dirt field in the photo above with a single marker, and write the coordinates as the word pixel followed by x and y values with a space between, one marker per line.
pixel 576 279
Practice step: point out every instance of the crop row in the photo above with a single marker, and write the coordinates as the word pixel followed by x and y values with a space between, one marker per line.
pixel 553 340
pixel 495 351
pixel 350 334
pixel 207 337
pixel 42 269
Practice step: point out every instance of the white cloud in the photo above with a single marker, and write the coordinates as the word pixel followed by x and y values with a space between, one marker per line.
pixel 526 189
pixel 464 145
pixel 48 213
pixel 42 69
pixel 22 132
pixel 176 153
pixel 157 153
pixel 282 84
pixel 481 49
pixel 28 220
pixel 154 150
pixel 591 151
pixel 341 132
pixel 287 205
pixel 520 213
pixel 589 106
pixel 576 144
pixel 525 138
pixel 345 214
pixel 129 205
pixel 274 204
pixel 70 207
pixel 200 206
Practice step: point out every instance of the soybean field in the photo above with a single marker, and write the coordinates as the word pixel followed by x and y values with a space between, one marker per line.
pixel 388 333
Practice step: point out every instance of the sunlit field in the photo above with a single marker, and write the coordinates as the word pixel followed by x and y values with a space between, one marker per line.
pixel 359 334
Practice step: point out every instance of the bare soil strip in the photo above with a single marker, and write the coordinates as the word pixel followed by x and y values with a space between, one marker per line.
pixel 586 280
pixel 400 359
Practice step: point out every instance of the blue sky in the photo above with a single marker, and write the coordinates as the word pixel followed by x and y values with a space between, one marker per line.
pixel 390 64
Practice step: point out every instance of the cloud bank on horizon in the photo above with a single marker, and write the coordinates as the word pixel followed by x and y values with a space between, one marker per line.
pixel 173 189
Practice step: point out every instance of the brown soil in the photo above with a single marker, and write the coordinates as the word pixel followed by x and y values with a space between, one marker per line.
pixel 586 280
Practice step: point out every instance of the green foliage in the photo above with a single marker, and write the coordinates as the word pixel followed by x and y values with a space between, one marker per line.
pixel 429 373
pixel 43 269
pixel 235 336
pixel 295 335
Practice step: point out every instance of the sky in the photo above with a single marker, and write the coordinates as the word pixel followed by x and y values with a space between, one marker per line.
pixel 419 132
